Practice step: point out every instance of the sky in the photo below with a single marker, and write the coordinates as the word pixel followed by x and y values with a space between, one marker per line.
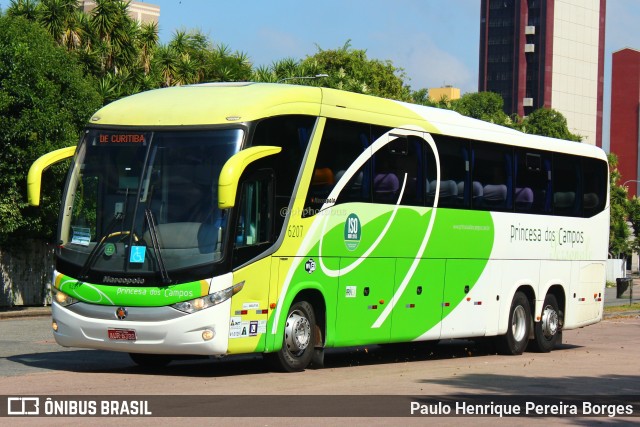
pixel 436 42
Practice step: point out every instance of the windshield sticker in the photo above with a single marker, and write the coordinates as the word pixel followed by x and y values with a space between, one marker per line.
pixel 81 236
pixel 109 249
pixel 137 254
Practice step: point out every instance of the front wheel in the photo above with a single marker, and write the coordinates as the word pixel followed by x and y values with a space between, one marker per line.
pixel 515 340
pixel 548 330
pixel 298 341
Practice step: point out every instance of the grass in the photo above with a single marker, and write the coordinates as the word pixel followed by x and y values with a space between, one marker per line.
pixel 621 308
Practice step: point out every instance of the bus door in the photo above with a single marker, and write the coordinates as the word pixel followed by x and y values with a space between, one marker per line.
pixel 252 234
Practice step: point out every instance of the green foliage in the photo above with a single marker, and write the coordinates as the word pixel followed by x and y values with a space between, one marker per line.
pixel 485 106
pixel 44 103
pixel 619 245
pixel 548 122
pixel 345 68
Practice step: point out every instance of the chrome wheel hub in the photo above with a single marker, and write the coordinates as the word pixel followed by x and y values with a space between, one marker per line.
pixel 297 334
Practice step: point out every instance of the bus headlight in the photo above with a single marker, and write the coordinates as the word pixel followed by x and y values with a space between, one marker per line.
pixel 61 298
pixel 197 304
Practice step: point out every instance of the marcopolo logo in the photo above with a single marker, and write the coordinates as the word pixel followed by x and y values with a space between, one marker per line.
pixel 352 232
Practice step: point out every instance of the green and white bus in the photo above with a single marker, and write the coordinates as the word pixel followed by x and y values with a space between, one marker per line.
pixel 221 219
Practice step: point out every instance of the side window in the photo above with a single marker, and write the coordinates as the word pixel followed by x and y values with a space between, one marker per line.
pixel 292 133
pixel 254 222
pixel 398 164
pixel 532 192
pixel 566 190
pixel 342 143
pixel 595 179
pixel 455 190
pixel 429 174
pixel 492 177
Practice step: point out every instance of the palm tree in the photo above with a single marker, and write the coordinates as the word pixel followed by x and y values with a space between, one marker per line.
pixel 166 61
pixel 55 15
pixel 24 8
pixel 148 39
pixel 74 33
pixel 110 23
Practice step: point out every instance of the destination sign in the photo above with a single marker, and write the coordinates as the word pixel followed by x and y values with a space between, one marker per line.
pixel 122 138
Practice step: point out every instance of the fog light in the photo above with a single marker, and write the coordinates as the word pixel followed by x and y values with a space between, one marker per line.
pixel 207 335
pixel 54 326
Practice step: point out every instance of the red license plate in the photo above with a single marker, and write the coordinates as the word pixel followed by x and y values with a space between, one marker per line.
pixel 122 334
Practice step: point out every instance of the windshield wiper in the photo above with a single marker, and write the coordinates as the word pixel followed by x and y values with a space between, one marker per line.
pixel 153 233
pixel 93 255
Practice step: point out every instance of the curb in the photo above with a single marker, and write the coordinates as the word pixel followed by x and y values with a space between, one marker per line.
pixel 20 312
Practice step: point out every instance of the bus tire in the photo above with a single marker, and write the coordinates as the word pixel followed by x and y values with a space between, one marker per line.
pixel 549 329
pixel 516 339
pixel 298 340
pixel 150 360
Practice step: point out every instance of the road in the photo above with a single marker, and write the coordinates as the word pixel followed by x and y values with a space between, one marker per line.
pixel 601 359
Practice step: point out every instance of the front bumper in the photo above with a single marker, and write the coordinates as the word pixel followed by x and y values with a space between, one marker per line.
pixel 159 330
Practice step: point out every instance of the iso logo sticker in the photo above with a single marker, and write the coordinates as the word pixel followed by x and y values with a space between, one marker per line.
pixel 352 232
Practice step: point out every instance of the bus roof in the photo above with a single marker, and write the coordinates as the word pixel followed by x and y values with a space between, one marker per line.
pixel 228 103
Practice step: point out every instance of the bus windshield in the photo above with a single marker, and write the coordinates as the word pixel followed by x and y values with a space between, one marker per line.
pixel 145 203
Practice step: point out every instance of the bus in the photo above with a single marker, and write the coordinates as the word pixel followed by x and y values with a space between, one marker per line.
pixel 221 219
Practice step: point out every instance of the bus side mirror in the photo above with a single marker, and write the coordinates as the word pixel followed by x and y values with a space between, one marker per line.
pixel 233 168
pixel 34 177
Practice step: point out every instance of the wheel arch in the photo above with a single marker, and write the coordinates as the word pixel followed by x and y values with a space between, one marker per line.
pixel 314 294
pixel 315 297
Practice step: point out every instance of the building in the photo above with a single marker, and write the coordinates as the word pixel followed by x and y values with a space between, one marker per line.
pixel 141 12
pixel 446 92
pixel 625 115
pixel 546 53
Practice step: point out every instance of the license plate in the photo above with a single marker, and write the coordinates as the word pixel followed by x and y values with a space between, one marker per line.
pixel 122 334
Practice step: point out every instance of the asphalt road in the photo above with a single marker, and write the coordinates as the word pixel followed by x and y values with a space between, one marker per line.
pixel 600 359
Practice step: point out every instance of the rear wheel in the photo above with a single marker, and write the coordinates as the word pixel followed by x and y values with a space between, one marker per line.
pixel 515 340
pixel 150 360
pixel 298 341
pixel 547 331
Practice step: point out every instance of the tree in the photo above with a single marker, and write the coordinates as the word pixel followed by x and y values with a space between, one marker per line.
pixel 58 17
pixel 485 106
pixel 44 102
pixel 351 70
pixel 24 8
pixel 618 228
pixel 548 122
pixel 345 68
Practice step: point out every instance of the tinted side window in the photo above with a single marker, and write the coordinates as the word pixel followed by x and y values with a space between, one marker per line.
pixel 566 190
pixel 492 174
pixel 342 142
pixel 532 191
pixel 454 173
pixel 292 133
pixel 396 165
pixel 594 178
